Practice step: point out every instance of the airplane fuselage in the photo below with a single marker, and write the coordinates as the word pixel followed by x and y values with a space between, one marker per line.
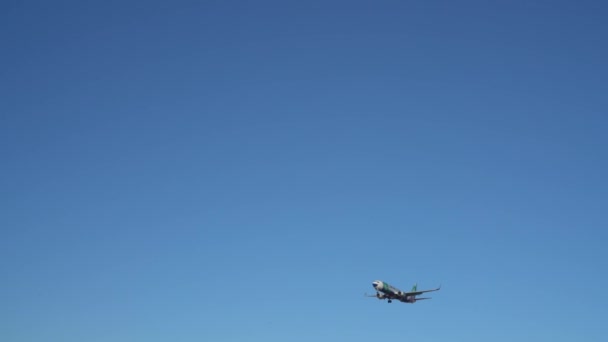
pixel 386 291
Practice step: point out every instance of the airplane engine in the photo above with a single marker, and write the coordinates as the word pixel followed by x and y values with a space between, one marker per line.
pixel 380 295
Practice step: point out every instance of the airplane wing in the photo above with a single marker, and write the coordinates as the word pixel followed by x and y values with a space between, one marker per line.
pixel 416 293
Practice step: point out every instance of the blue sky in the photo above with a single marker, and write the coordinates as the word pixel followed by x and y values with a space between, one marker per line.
pixel 242 171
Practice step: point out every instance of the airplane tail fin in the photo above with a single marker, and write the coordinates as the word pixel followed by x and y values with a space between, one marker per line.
pixel 414 287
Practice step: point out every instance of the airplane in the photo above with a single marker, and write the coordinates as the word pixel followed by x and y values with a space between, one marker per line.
pixel 386 291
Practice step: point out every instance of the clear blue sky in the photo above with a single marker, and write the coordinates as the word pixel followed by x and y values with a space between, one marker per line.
pixel 242 171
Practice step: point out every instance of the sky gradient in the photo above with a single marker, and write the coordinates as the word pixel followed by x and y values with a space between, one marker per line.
pixel 243 171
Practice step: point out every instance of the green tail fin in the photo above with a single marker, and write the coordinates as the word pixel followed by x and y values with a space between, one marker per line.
pixel 414 287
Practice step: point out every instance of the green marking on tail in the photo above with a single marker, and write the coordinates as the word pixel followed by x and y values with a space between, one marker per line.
pixel 414 287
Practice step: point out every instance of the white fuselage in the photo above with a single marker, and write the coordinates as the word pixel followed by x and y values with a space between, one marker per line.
pixel 386 291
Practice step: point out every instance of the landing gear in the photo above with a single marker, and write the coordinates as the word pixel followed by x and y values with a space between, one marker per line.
pixel 390 301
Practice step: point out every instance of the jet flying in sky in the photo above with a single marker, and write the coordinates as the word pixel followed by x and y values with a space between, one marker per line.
pixel 386 291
